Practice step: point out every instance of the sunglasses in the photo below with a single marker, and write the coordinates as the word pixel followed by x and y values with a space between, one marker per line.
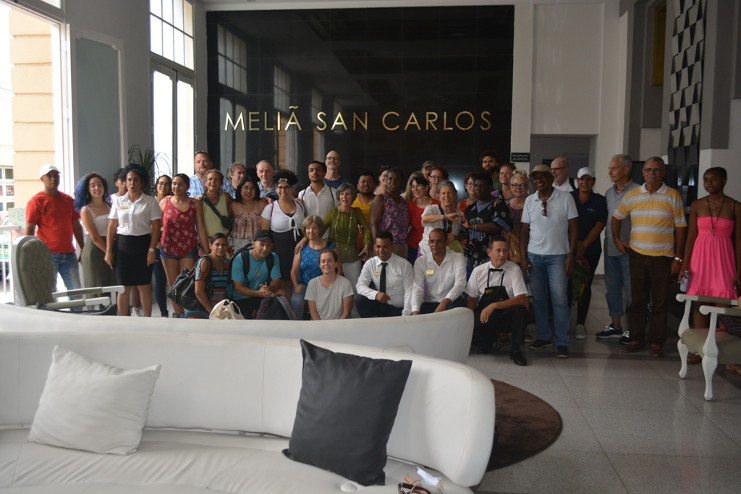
pixel 406 488
pixel 545 208
pixel 519 186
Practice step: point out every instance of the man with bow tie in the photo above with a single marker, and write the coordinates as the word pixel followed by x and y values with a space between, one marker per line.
pixel 497 294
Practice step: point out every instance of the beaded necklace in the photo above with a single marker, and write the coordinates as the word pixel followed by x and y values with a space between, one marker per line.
pixel 713 224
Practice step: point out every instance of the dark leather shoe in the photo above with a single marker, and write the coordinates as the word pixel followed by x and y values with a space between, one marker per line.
pixel 518 358
pixel 655 350
pixel 633 347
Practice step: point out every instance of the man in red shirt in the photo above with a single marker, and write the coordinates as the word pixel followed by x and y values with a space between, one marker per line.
pixel 51 215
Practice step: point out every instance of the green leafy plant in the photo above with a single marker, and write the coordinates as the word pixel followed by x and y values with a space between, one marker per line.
pixel 147 159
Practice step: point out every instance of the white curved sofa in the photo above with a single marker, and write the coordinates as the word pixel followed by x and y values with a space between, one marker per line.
pixel 220 415
pixel 445 335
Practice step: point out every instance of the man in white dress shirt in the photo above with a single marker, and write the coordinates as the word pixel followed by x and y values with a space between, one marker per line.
pixel 318 197
pixel 444 272
pixel 385 283
pixel 497 294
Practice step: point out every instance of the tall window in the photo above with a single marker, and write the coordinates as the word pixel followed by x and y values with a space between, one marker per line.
pixel 284 141
pixel 232 60
pixel 173 76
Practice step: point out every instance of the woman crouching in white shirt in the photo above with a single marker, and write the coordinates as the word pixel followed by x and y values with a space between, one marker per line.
pixel 133 231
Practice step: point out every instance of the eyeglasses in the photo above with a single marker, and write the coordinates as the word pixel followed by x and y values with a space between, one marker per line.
pixel 282 187
pixel 553 169
pixel 249 187
pixel 545 208
pixel 653 170
pixel 469 184
pixel 166 184
pixel 435 177
pixel 417 186
pixel 519 186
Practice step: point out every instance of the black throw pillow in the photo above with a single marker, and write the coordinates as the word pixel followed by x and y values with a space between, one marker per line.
pixel 345 412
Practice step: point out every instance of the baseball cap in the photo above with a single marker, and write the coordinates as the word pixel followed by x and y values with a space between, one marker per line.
pixel 262 235
pixel 46 169
pixel 585 171
pixel 542 169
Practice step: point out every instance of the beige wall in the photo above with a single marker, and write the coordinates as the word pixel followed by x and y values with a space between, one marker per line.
pixel 33 103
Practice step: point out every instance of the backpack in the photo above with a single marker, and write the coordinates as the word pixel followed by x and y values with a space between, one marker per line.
pixel 244 252
pixel 276 308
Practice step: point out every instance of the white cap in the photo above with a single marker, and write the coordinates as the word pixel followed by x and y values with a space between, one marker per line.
pixel 46 169
pixel 585 171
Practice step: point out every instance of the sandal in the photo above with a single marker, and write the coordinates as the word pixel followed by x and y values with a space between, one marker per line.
pixel 693 359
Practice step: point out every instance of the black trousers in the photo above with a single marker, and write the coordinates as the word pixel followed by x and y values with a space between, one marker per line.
pixel 374 308
pixel 512 320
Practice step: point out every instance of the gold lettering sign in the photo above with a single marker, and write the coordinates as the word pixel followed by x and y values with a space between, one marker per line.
pixel 391 121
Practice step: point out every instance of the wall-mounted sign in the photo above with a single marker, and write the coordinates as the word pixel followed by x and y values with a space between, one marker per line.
pixel 519 157
pixel 391 121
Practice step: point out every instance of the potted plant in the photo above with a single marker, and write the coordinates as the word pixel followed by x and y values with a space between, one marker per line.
pixel 147 159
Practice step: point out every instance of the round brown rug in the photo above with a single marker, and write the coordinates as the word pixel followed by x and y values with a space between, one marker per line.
pixel 525 425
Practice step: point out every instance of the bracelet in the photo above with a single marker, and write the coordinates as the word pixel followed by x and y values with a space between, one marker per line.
pixel 678 259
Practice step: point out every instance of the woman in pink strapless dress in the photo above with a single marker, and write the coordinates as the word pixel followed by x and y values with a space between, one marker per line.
pixel 714 269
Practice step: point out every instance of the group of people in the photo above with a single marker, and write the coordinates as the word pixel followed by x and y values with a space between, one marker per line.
pixel 374 249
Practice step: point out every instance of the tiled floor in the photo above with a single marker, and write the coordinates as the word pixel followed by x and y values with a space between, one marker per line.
pixel 630 424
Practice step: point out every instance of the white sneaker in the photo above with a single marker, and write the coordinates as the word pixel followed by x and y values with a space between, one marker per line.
pixel 137 312
pixel 581 332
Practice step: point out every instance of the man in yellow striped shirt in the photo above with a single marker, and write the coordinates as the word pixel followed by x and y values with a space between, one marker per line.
pixel 657 234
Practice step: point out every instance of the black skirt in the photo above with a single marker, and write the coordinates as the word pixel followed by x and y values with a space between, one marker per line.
pixel 131 260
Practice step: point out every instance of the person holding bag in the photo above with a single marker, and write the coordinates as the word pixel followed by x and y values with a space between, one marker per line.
pixel 215 210
pixel 213 273
pixel 181 232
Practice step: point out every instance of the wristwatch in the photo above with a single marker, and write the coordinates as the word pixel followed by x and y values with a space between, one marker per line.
pixel 151 249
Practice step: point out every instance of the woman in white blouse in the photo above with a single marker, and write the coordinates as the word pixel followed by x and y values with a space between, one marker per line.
pixel 133 231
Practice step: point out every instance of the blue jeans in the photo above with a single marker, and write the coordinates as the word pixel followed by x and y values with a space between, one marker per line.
pixel 549 273
pixel 617 277
pixel 298 303
pixel 66 265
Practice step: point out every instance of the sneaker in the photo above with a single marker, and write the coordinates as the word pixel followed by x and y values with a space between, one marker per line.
pixel 581 332
pixel 625 340
pixel 562 351
pixel 610 332
pixel 538 344
pixel 528 337
pixel 137 312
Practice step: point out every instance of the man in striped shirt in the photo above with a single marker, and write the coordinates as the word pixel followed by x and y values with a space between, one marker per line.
pixel 657 234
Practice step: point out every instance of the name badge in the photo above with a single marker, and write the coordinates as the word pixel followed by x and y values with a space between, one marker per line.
pixel 124 207
pixel 377 273
pixel 430 271
pixel 489 290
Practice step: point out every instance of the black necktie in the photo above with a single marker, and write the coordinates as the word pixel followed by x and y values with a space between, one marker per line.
pixel 382 283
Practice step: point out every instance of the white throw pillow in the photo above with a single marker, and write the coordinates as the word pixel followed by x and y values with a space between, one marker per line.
pixel 91 406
